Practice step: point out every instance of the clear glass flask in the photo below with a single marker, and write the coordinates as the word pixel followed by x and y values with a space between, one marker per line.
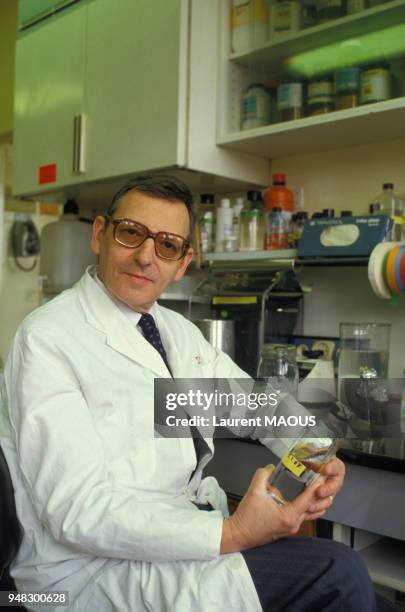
pixel 278 363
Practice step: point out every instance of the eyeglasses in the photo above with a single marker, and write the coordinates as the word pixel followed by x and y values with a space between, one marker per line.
pixel 132 234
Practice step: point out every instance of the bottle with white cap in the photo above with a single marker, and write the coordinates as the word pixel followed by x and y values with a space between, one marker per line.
pixel 224 225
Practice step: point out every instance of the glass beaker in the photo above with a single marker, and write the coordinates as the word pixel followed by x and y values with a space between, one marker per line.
pixel 363 353
pixel 278 363
pixel 364 345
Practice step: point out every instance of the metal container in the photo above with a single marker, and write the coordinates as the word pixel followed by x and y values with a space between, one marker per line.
pixel 219 333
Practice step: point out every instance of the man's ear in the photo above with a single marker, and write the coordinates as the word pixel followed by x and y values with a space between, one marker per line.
pixel 184 264
pixel 99 227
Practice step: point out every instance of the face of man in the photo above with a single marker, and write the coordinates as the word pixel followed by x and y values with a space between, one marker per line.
pixel 138 276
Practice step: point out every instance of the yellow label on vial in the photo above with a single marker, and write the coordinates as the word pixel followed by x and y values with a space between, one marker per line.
pixel 292 464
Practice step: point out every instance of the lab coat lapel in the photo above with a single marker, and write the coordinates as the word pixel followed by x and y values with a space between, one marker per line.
pixel 181 369
pixel 104 315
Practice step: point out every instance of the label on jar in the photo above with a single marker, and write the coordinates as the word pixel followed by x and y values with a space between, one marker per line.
pixel 321 91
pixel 289 95
pixel 355 6
pixel 375 85
pixel 347 79
pixel 322 4
pixel 293 464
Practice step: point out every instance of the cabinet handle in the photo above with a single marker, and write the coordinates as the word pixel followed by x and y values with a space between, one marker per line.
pixel 78 144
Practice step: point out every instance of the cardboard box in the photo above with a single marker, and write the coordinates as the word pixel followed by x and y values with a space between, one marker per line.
pixel 343 236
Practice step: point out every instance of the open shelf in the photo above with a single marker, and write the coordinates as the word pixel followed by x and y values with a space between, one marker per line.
pixel 281 256
pixel 271 55
pixel 345 128
pixel 185 297
pixel 385 560
pixel 252 255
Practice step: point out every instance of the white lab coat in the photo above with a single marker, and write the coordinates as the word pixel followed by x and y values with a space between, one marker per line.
pixel 106 507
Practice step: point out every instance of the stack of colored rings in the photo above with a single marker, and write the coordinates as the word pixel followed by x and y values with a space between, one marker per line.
pixel 386 269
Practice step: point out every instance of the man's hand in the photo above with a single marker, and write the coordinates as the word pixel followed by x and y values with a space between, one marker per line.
pixel 334 471
pixel 259 519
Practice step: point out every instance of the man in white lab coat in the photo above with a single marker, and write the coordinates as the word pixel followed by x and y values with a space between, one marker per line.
pixel 110 512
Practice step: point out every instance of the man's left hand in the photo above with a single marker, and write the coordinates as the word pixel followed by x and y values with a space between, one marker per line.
pixel 334 471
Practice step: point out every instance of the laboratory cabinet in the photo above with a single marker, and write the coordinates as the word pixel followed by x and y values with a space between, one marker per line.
pixel 107 89
pixel 328 84
pixel 48 100
pixel 34 11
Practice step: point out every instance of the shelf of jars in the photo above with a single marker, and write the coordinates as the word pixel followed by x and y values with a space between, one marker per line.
pixel 272 54
pixel 362 125
pixel 330 86
pixel 252 255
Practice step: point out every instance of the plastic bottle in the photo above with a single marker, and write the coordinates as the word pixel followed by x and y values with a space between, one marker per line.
pixel 280 197
pixel 277 230
pixel 278 194
pixel 65 251
pixel 224 225
pixel 207 221
pixel 391 205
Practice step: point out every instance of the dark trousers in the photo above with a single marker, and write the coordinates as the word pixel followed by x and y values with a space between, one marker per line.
pixel 312 575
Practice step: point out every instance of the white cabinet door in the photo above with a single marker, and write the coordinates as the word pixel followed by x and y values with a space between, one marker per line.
pixel 132 86
pixel 48 95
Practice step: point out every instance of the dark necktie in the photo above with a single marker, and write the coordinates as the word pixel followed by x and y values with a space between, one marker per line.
pixel 152 335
